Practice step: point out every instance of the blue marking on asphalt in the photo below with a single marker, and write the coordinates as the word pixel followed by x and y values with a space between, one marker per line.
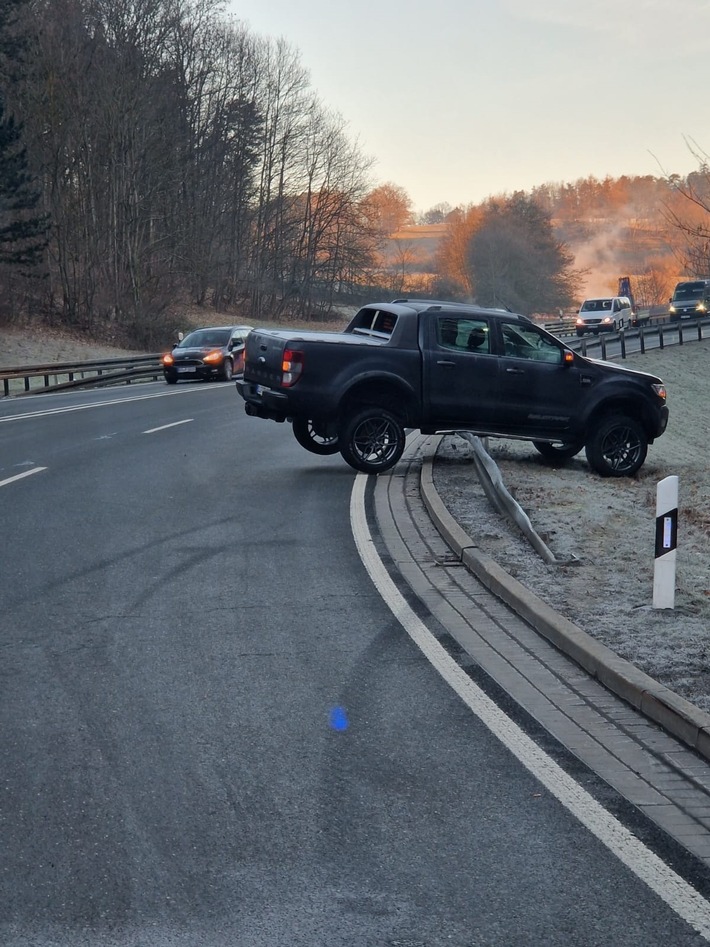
pixel 338 718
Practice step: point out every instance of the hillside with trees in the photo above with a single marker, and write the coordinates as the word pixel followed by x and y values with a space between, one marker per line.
pixel 179 159
pixel 656 230
pixel 155 155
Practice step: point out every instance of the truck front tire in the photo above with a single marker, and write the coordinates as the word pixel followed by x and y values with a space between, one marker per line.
pixel 617 446
pixel 372 440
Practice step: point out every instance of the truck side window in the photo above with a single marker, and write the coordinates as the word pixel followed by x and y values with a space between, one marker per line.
pixel 464 335
pixel 526 342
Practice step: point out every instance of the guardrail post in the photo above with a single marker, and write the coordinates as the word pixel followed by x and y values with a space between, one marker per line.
pixel 666 543
pixel 660 335
pixel 622 341
pixel 680 333
pixel 642 340
pixel 602 345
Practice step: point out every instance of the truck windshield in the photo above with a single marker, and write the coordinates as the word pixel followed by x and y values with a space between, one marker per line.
pixel 689 291
pixel 596 305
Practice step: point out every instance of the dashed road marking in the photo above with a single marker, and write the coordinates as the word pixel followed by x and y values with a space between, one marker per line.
pixel 20 476
pixel 164 427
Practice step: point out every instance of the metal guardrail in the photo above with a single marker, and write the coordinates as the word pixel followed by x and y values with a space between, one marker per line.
pixel 568 326
pixel 685 330
pixel 63 376
pixel 117 371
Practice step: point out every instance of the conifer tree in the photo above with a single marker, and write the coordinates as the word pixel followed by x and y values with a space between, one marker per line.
pixel 23 225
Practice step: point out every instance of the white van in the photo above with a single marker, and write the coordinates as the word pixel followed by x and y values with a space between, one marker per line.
pixel 604 314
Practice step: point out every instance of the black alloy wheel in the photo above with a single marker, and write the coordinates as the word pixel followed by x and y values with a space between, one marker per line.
pixel 315 436
pixel 372 440
pixel 617 447
pixel 227 369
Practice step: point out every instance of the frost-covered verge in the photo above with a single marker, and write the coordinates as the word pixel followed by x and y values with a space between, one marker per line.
pixel 606 527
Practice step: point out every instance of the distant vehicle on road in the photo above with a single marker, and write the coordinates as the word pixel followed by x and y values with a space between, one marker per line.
pixel 690 300
pixel 213 352
pixel 604 314
pixel 638 317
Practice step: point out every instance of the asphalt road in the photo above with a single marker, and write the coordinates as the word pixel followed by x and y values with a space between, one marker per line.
pixel 215 732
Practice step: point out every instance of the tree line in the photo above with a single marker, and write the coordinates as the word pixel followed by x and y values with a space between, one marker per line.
pixel 155 152
pixel 166 154
pixel 535 251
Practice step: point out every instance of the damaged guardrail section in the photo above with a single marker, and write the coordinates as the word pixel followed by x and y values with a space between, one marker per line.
pixel 675 714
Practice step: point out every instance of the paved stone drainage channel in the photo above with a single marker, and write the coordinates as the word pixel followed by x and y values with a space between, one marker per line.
pixel 657 777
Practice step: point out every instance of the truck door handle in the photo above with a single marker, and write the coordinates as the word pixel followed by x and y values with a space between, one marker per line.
pixel 515 371
pixel 443 361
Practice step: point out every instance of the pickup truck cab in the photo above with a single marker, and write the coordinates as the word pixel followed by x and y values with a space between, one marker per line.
pixel 441 366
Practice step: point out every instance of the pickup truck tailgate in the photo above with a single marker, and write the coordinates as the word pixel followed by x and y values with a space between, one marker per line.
pixel 264 356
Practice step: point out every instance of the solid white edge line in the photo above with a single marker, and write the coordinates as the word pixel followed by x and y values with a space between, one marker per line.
pixel 164 427
pixel 20 476
pixel 680 896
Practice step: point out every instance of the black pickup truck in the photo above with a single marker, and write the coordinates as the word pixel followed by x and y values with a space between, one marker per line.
pixel 441 366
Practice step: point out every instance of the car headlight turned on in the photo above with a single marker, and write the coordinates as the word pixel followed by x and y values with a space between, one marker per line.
pixel 580 321
pixel 168 359
pixel 660 391
pixel 213 357
pixel 671 309
pixel 606 320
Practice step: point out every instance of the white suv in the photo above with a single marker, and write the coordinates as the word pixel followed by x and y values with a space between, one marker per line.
pixel 604 314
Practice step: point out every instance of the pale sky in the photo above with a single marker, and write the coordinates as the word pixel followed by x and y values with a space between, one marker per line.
pixel 457 100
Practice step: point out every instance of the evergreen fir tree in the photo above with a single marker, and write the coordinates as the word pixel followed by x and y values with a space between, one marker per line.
pixel 23 226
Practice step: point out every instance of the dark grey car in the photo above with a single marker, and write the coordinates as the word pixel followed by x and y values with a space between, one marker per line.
pixel 213 352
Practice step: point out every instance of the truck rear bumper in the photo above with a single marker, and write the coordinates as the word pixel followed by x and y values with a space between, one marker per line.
pixel 262 402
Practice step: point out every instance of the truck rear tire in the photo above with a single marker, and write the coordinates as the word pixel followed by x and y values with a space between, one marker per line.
pixel 617 446
pixel 557 452
pixel 372 440
pixel 315 437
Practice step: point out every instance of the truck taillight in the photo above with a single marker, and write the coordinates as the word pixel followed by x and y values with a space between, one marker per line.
pixel 291 366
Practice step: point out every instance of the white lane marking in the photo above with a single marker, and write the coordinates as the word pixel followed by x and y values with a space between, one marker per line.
pixel 681 897
pixel 164 427
pixel 27 473
pixel 97 404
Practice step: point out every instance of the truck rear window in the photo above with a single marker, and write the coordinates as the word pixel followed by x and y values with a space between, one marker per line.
pixel 373 322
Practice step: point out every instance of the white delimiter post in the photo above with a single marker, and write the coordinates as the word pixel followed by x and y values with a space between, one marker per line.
pixel 666 543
